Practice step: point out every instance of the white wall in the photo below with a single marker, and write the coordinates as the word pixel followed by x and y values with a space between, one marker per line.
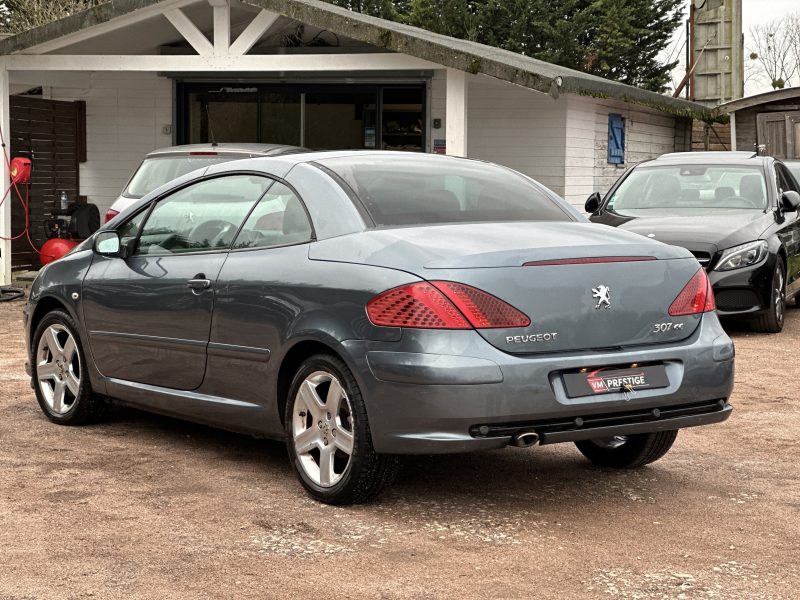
pixel 648 134
pixel 518 128
pixel 438 107
pixel 125 114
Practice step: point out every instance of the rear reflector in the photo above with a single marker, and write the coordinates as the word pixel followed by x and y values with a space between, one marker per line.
pixel 110 214
pixel 442 305
pixel 696 297
pixel 482 310
pixel 587 260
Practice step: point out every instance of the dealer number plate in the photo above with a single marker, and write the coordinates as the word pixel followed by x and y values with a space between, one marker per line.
pixel 607 381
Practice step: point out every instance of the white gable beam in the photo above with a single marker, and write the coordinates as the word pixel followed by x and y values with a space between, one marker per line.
pixel 192 63
pixel 253 32
pixel 107 27
pixel 189 31
pixel 222 26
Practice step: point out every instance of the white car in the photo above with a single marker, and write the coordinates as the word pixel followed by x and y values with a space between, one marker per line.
pixel 166 164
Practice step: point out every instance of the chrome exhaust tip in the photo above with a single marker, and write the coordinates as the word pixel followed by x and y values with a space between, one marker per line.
pixel 525 439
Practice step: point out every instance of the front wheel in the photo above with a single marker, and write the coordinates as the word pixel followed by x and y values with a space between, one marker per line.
pixel 628 451
pixel 60 376
pixel 328 435
pixel 772 320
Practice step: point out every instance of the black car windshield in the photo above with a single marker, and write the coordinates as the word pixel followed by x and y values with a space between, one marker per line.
pixel 158 170
pixel 414 190
pixel 692 186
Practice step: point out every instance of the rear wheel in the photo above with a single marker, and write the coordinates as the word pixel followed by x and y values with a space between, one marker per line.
pixel 60 376
pixel 628 451
pixel 772 320
pixel 328 435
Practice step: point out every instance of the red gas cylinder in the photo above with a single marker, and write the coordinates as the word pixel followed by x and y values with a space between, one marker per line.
pixel 54 249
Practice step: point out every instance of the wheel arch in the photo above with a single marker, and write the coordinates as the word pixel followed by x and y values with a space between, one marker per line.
pixel 292 360
pixel 45 305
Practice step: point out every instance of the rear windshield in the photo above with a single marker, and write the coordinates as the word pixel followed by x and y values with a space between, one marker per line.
pixel 156 171
pixel 707 187
pixel 403 190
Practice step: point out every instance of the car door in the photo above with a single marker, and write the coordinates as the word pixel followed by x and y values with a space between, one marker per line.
pixel 258 292
pixel 789 231
pixel 148 315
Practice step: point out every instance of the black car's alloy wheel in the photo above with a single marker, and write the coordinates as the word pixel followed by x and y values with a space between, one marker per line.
pixel 772 320
pixel 628 451
pixel 60 380
pixel 328 436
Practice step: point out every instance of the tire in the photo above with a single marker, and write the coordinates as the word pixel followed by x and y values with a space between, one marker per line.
pixel 60 374
pixel 628 452
pixel 319 435
pixel 772 320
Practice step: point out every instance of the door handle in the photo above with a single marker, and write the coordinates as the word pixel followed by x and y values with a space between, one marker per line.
pixel 199 283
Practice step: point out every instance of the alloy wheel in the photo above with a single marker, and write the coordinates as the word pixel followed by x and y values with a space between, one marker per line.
pixel 780 295
pixel 322 428
pixel 58 368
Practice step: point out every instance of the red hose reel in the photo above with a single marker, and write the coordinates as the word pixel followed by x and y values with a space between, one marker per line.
pixel 20 170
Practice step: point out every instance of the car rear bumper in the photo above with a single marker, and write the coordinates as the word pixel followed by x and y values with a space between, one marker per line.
pixel 450 391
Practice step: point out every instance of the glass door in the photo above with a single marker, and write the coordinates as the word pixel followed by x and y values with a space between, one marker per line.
pixel 225 114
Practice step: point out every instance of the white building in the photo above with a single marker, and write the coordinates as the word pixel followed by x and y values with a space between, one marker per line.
pixel 90 94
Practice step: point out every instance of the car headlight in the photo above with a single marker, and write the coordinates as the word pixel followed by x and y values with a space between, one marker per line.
pixel 743 255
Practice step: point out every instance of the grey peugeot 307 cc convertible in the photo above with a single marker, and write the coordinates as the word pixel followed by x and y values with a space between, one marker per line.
pixel 363 305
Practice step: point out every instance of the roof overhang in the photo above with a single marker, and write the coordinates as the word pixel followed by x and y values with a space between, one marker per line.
pixel 429 50
pixel 758 99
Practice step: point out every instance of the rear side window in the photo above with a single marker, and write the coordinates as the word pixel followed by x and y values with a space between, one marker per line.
pixel 400 190
pixel 279 219
pixel 203 216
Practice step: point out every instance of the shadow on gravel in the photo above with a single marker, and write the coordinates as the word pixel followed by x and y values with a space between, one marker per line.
pixel 187 436
pixel 516 479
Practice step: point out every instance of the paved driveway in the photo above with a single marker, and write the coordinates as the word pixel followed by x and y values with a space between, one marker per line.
pixel 148 507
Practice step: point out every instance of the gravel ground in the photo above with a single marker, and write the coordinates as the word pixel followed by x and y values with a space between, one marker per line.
pixel 143 506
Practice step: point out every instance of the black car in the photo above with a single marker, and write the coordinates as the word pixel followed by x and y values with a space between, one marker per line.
pixel 735 211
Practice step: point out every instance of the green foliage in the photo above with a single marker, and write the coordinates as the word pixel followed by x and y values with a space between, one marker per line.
pixel 618 39
pixel 19 15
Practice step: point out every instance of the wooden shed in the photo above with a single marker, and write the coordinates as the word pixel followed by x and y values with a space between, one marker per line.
pixel 768 123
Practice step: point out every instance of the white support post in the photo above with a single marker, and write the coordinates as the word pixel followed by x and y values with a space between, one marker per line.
pixel 190 32
pixel 253 32
pixel 5 210
pixel 222 26
pixel 456 116
pixel 733 131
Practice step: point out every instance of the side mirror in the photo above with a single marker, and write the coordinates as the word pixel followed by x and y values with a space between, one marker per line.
pixel 790 201
pixel 593 203
pixel 107 243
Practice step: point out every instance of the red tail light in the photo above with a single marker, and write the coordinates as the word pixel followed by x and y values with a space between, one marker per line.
pixel 418 305
pixel 110 214
pixel 442 305
pixel 696 297
pixel 482 310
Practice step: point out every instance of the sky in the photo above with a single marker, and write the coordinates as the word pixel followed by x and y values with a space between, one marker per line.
pixel 754 12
